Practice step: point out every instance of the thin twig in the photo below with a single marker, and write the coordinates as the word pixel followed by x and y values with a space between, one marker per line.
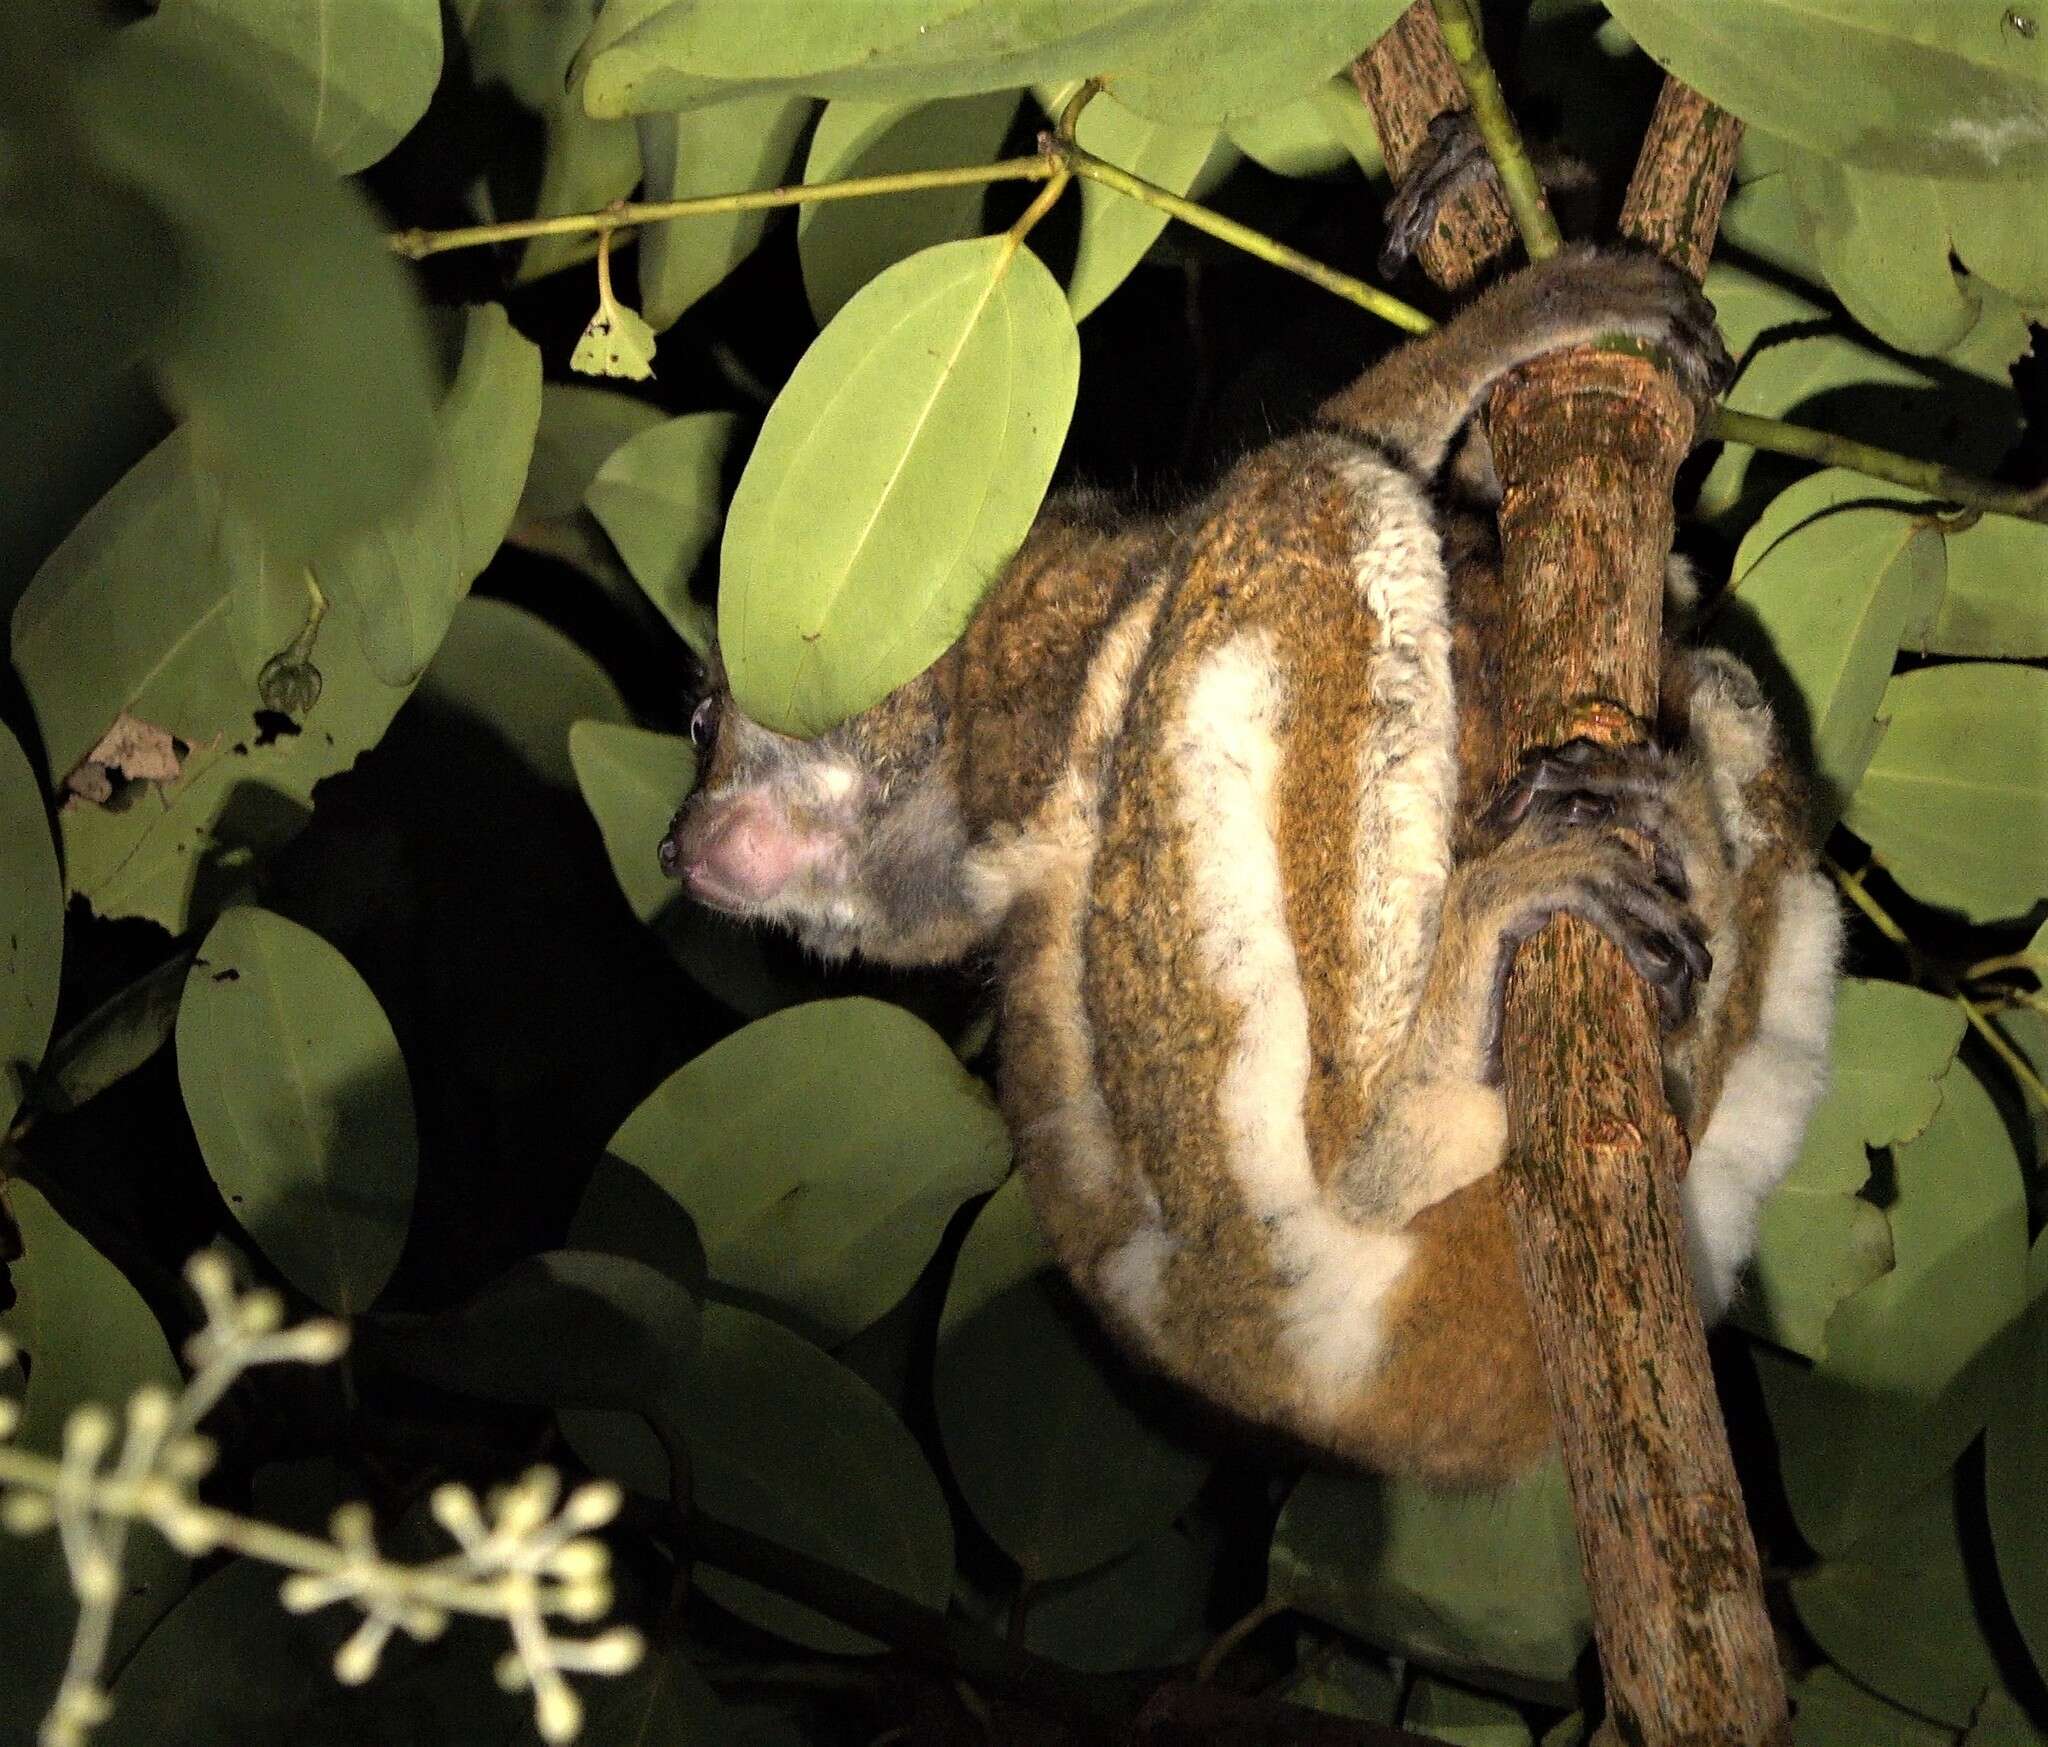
pixel 1518 178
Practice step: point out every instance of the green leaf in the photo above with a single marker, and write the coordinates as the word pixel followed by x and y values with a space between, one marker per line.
pixel 1331 1676
pixel 89 1338
pixel 1915 1359
pixel 581 425
pixel 584 163
pixel 647 55
pixel 31 925
pixel 788 1443
pixel 1417 1570
pixel 1894 1610
pixel 1798 364
pixel 820 1152
pixel 296 349
pixel 898 470
pixel 1452 1713
pixel 1909 88
pixel 1147 1609
pixel 568 1328
pixel 664 1702
pixel 351 79
pixel 1328 130
pixel 845 243
pixel 660 497
pixel 2015 1457
pixel 1829 1710
pixel 520 678
pixel 1764 217
pixel 1882 240
pixel 2002 1721
pixel 1233 58
pixel 401 587
pixel 1820 616
pixel 633 781
pixel 1962 828
pixel 1116 230
pixel 301 1103
pixel 229 1667
pixel 165 603
pixel 1820 1239
pixel 1995 228
pixel 738 146
pixel 617 342
pixel 1064 1473
pixel 114 1039
pixel 1995 602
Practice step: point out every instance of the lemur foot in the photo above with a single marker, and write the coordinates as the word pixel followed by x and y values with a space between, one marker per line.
pixel 1557 817
pixel 1584 294
pixel 1451 156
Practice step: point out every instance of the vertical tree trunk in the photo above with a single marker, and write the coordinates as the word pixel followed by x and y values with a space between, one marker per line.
pixel 1587 445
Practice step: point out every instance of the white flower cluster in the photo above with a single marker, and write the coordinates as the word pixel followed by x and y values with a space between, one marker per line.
pixel 517 1557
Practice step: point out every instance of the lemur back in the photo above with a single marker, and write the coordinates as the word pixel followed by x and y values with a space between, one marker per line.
pixel 1211 789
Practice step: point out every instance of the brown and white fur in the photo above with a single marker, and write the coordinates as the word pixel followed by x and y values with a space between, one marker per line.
pixel 1207 786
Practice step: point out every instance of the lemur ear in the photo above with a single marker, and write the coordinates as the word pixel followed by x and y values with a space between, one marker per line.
pixel 752 850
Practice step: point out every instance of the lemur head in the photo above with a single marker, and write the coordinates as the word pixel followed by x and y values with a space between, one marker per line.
pixel 854 840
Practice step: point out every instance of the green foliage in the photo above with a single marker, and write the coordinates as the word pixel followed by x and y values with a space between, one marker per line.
pixel 1418 1570
pixel 830 1225
pixel 769 1298
pixel 301 1104
pixel 88 1337
pixel 849 565
pixel 31 926
pixel 1056 1464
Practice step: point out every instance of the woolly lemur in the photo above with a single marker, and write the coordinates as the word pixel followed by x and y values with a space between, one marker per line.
pixel 1206 786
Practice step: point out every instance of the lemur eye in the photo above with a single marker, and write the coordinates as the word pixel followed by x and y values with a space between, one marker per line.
pixel 704 724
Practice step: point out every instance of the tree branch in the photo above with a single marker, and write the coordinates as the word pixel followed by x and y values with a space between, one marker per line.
pixel 1587 445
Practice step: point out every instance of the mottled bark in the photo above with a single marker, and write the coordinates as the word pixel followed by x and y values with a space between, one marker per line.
pixel 1587 445
pixel 1407 80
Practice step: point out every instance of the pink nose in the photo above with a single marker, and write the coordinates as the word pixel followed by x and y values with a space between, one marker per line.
pixel 746 857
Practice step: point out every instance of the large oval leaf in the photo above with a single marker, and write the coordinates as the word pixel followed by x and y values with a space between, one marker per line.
pixel 401 585
pixel 1799 361
pixel 787 1442
pixel 845 243
pixel 1820 617
pixel 1232 58
pixel 1911 87
pixel 898 470
pixel 31 925
pixel 2015 1458
pixel 147 608
pixel 568 1328
pixel 660 496
pixel 1418 1570
pixel 1882 240
pixel 647 55
pixel 1895 1610
pixel 739 145
pixel 352 79
pixel 1329 129
pixel 301 1103
pixel 295 346
pixel 1116 230
pixel 1993 602
pixel 89 1338
pixel 1062 1471
pixel 1955 801
pixel 820 1152
pixel 1915 1359
pixel 1821 1237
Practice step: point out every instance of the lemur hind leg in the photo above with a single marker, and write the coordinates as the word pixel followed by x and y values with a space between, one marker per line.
pixel 1553 846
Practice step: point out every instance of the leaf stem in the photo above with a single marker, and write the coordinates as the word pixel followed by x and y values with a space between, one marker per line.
pixel 1933 477
pixel 417 244
pixel 1254 243
pixel 1924 968
pixel 1518 178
